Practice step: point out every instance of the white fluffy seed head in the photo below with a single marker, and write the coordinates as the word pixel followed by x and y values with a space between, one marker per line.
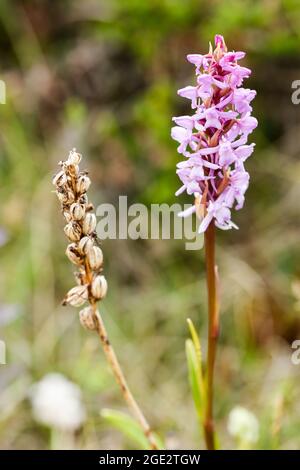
pixel 86 318
pixel 95 258
pixel 89 223
pixel 243 425
pixel 77 296
pixel 99 287
pixel 57 403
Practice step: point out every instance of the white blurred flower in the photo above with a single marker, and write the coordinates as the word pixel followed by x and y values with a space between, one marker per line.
pixel 56 402
pixel 8 312
pixel 4 237
pixel 243 425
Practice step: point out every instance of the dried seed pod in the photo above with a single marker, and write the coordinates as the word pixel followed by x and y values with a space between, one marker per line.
pixel 95 258
pixel 73 170
pixel 83 184
pixel 73 231
pixel 65 197
pixel 99 287
pixel 74 158
pixel 67 216
pixel 83 199
pixel 85 244
pixel 76 296
pixel 80 277
pixel 77 211
pixel 73 254
pixel 70 197
pixel 87 319
pixel 60 179
pixel 89 207
pixel 89 223
pixel 61 196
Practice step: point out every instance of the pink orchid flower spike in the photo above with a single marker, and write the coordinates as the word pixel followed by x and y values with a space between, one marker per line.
pixel 214 139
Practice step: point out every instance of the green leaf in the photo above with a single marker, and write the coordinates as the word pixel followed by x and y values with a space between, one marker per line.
pixel 198 350
pixel 129 427
pixel 194 376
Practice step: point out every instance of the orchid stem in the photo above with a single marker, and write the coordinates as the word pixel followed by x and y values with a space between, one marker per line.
pixel 213 333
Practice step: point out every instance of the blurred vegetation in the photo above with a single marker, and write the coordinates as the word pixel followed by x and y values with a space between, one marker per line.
pixel 102 76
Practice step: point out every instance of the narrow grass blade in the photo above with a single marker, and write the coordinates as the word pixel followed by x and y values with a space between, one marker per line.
pixel 128 426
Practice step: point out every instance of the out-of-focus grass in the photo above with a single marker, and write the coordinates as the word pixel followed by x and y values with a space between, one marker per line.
pixel 102 76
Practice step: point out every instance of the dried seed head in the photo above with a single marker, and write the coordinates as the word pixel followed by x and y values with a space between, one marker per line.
pixel 87 319
pixel 73 231
pixel 60 179
pixel 76 296
pixel 85 244
pixel 71 186
pixel 74 158
pixel 99 287
pixel 95 258
pixel 77 211
pixel 73 254
pixel 89 223
pixel 83 184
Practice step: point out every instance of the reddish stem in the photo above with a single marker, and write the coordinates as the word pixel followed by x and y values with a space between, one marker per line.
pixel 213 333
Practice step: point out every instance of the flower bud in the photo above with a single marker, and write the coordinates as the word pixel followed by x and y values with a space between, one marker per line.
pixel 95 258
pixel 99 287
pixel 76 296
pixel 73 231
pixel 83 184
pixel 89 223
pixel 87 319
pixel 74 158
pixel 77 211
pixel 73 254
pixel 60 179
pixel 85 244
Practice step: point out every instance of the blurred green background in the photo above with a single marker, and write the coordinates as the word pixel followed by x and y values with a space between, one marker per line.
pixel 102 76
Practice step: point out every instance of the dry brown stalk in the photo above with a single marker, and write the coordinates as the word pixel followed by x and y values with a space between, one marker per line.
pixel 71 188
